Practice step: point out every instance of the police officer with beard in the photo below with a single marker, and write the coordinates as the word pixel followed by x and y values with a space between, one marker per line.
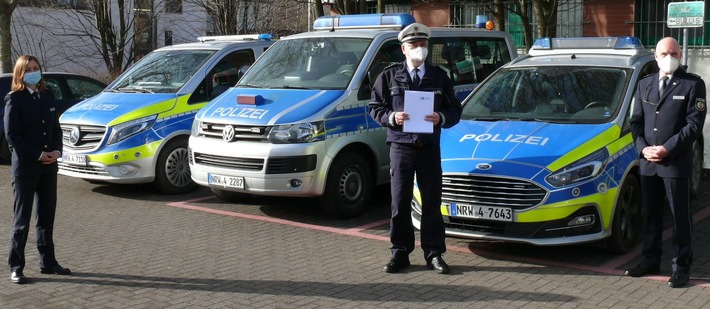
pixel 415 153
pixel 667 119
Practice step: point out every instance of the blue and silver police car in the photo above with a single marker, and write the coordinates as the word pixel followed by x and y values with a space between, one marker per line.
pixel 544 154
pixel 297 123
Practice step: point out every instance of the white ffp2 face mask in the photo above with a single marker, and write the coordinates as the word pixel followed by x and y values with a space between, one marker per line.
pixel 418 54
pixel 668 64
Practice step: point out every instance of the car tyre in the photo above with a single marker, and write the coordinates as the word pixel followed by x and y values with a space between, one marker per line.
pixel 172 171
pixel 626 223
pixel 348 187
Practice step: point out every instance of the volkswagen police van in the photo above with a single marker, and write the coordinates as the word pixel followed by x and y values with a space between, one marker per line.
pixel 136 130
pixel 544 154
pixel 297 123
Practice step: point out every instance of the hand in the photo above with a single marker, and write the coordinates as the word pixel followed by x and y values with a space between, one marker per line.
pixel 654 153
pixel 400 117
pixel 435 118
pixel 49 157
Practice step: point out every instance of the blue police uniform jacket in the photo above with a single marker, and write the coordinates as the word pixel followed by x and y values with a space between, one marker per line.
pixel 388 97
pixel 30 128
pixel 673 121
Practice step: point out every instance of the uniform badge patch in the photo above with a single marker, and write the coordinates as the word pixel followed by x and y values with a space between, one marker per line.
pixel 700 104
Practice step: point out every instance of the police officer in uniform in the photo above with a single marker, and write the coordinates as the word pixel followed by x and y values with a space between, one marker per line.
pixel 415 153
pixel 32 130
pixel 667 119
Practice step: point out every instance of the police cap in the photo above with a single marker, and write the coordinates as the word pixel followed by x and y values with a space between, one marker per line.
pixel 414 32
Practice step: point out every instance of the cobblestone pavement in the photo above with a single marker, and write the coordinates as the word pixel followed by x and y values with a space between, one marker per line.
pixel 130 247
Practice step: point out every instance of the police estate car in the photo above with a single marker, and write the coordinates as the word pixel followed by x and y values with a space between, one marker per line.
pixel 544 154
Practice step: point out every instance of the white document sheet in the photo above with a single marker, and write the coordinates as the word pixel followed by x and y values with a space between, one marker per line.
pixel 418 104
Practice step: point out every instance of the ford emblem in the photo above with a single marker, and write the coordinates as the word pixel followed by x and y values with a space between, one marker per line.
pixel 228 133
pixel 483 166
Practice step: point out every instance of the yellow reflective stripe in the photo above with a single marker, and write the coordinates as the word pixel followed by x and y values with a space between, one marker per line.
pixel 564 209
pixel 182 107
pixel 142 112
pixel 126 155
pixel 620 144
pixel 588 147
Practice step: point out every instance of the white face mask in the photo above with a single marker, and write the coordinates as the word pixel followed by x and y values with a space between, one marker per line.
pixel 418 54
pixel 668 64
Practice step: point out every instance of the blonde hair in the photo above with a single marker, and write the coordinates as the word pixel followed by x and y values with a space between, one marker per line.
pixel 19 74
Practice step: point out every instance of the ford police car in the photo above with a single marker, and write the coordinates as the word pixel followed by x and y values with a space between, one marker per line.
pixel 297 123
pixel 544 154
pixel 136 130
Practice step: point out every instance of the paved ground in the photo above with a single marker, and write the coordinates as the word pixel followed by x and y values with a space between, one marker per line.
pixel 132 248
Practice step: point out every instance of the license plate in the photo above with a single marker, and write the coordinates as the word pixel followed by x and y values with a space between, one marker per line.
pixel 480 212
pixel 225 181
pixel 74 159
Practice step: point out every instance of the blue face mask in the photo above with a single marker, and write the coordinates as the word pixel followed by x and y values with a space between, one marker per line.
pixel 32 78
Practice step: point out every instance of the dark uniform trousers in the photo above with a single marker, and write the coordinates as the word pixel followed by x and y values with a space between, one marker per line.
pixel 676 191
pixel 408 160
pixel 25 187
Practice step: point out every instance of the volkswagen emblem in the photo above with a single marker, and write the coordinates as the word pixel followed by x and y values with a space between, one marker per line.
pixel 228 133
pixel 74 136
pixel 483 166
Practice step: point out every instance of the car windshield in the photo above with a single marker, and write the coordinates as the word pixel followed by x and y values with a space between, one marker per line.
pixel 550 93
pixel 313 63
pixel 162 71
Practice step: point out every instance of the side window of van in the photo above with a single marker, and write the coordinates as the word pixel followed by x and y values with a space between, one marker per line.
pixel 468 60
pixel 390 53
pixel 223 76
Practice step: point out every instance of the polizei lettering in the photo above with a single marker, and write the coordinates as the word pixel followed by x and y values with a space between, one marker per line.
pixel 510 138
pixel 241 112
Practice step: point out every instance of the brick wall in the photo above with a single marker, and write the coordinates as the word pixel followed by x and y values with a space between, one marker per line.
pixel 608 18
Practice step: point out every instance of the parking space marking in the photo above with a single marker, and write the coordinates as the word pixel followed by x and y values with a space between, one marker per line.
pixel 612 267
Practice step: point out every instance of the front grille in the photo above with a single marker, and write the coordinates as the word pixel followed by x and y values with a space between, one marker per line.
pixel 89 137
pixel 242 132
pixel 248 164
pixel 491 191
pixel 87 170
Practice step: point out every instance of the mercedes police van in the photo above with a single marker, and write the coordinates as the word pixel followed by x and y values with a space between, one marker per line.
pixel 136 130
pixel 297 123
pixel 544 154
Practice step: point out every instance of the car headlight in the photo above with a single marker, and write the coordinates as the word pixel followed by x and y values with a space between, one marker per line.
pixel 306 132
pixel 195 129
pixel 127 129
pixel 585 168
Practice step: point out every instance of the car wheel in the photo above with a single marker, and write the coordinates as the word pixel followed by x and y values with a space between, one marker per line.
pixel 697 169
pixel 230 196
pixel 626 223
pixel 172 171
pixel 5 155
pixel 348 187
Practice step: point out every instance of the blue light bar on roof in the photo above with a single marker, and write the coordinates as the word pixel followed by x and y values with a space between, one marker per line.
pixel 626 42
pixel 364 21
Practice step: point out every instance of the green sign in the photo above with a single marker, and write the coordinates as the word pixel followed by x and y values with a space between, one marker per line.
pixel 686 14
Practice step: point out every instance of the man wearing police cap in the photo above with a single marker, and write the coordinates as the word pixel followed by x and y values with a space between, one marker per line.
pixel 415 153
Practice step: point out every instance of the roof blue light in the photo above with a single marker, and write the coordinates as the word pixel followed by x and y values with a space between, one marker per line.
pixel 626 42
pixel 542 43
pixel 364 21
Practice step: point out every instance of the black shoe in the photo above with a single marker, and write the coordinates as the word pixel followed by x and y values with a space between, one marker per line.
pixel 678 279
pixel 395 266
pixel 642 270
pixel 437 264
pixel 56 269
pixel 18 277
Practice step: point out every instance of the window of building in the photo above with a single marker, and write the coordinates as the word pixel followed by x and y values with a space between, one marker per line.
pixel 651 26
pixel 173 6
pixel 68 4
